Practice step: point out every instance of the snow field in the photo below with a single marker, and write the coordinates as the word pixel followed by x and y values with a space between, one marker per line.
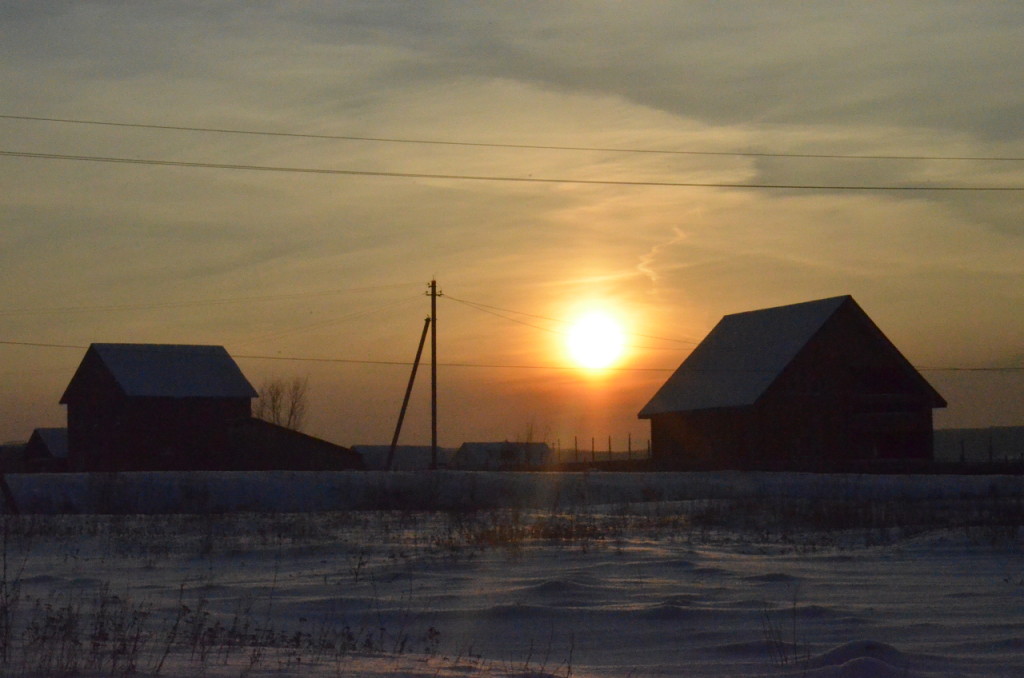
pixel 726 575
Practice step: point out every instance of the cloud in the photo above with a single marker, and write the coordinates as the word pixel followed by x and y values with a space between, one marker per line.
pixel 939 78
pixel 733 63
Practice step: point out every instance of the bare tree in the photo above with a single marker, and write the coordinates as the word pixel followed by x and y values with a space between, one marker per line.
pixel 282 402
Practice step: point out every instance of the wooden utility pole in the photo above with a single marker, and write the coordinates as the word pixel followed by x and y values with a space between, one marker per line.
pixel 433 294
pixel 408 392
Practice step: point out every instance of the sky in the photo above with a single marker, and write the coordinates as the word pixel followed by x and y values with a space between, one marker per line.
pixel 665 163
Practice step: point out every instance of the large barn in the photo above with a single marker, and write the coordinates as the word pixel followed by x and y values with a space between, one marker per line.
pixel 814 385
pixel 172 407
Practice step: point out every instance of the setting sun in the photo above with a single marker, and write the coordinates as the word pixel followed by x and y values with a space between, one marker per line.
pixel 595 341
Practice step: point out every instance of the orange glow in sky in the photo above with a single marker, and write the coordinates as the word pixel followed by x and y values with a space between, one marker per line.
pixel 287 185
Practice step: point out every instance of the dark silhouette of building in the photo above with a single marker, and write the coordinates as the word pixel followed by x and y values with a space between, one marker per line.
pixel 154 407
pixel 46 451
pixel 168 407
pixel 814 385
pixel 264 446
pixel 504 456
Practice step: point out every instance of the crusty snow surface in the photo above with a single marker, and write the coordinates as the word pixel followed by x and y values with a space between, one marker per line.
pixel 630 575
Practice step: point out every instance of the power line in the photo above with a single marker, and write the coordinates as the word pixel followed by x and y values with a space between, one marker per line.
pixel 36 344
pixel 474 177
pixel 480 306
pixel 969 369
pixel 485 309
pixel 562 333
pixel 478 144
pixel 192 302
pixel 491 310
pixel 404 363
pixel 354 315
pixel 495 366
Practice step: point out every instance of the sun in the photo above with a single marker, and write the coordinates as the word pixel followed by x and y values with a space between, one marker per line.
pixel 595 341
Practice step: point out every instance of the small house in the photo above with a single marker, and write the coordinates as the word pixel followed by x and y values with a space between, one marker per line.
pixel 505 456
pixel 814 385
pixel 172 407
pixel 154 407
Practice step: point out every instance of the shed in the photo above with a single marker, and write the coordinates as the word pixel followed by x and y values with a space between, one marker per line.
pixel 263 446
pixel 809 385
pixel 47 450
pixel 154 407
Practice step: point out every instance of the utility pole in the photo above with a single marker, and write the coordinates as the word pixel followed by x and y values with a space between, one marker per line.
pixel 433 294
pixel 408 392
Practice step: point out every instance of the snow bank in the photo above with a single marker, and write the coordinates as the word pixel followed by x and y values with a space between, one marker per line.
pixel 860 659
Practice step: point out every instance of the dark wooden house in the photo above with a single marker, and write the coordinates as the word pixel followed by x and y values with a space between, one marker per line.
pixel 154 407
pixel 815 385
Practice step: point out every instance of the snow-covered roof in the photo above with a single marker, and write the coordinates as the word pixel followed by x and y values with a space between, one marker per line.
pixel 742 356
pixel 173 371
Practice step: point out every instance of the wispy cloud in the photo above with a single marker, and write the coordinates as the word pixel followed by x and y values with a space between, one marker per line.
pixel 913 79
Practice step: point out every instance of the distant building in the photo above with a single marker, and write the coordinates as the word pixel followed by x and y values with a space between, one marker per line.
pixel 46 451
pixel 809 385
pixel 166 407
pixel 505 456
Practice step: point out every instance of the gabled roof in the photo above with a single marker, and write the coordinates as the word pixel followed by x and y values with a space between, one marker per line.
pixel 742 356
pixel 54 440
pixel 169 371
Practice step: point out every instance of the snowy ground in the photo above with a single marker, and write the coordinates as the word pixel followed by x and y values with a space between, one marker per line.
pixel 599 575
